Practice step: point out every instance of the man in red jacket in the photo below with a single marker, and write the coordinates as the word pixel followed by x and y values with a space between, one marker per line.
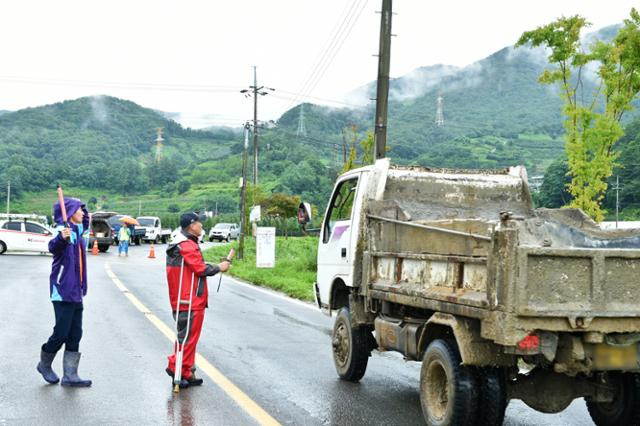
pixel 187 272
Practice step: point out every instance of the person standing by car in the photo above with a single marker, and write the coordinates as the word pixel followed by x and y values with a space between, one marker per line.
pixel 123 240
pixel 187 271
pixel 67 287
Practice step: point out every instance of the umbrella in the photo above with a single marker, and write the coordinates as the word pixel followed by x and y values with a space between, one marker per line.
pixel 129 220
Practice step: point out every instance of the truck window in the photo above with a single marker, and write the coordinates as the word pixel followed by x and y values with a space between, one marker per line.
pixel 12 226
pixel 36 229
pixel 341 206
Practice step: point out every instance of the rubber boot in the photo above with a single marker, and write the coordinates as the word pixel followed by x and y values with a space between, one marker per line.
pixel 44 367
pixel 70 365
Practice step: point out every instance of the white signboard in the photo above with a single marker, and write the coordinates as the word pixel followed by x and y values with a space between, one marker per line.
pixel 265 247
pixel 254 214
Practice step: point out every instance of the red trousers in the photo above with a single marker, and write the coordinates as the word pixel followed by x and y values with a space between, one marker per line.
pixel 189 351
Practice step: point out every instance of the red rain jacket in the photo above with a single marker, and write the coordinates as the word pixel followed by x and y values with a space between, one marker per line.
pixel 184 259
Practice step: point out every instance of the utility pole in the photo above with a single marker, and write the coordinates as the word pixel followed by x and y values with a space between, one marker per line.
pixel 243 193
pixel 439 111
pixel 8 198
pixel 255 91
pixel 255 127
pixel 302 130
pixel 382 94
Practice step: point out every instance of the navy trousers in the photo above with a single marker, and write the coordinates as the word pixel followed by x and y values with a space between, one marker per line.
pixel 68 328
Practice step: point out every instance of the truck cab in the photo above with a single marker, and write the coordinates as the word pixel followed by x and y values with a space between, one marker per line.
pixel 338 240
pixel 153 229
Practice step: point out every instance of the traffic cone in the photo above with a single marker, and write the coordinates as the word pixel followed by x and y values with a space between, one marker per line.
pixel 94 249
pixel 152 252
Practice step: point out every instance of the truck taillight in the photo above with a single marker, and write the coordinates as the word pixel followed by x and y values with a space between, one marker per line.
pixel 529 343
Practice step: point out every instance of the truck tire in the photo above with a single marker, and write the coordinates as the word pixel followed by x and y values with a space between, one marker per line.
pixel 210 239
pixel 624 409
pixel 448 390
pixel 228 238
pixel 164 239
pixel 492 396
pixel 103 248
pixel 157 240
pixel 3 247
pixel 350 347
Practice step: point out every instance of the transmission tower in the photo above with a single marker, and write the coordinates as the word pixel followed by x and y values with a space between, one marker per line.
pixel 302 130
pixel 439 112
pixel 159 141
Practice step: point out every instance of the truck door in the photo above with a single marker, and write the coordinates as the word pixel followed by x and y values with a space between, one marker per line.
pixel 334 259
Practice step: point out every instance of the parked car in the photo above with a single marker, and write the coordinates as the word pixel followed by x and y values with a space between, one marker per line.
pixel 100 231
pixel 24 235
pixel 153 229
pixel 224 231
pixel 137 232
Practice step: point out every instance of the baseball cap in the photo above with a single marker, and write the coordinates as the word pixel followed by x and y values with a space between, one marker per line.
pixel 189 218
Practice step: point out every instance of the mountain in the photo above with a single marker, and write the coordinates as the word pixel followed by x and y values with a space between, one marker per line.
pixel 97 142
pixel 495 112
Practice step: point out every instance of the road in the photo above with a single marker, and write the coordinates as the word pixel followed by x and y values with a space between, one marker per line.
pixel 264 357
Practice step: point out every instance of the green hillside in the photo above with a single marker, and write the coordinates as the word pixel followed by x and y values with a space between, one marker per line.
pixel 496 114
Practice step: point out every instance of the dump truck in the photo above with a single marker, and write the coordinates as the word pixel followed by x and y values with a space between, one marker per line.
pixel 456 269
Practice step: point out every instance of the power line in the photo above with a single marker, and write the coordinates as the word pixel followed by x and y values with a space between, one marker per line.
pixel 340 34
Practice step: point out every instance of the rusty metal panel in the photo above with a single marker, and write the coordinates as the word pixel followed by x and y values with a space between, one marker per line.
pixel 621 288
pixel 556 284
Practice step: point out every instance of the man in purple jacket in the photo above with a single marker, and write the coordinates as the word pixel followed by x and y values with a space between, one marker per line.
pixel 67 287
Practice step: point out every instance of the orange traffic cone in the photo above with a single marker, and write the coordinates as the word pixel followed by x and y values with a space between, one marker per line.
pixel 152 252
pixel 94 249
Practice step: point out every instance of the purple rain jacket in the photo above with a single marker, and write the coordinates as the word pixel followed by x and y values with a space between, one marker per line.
pixel 68 280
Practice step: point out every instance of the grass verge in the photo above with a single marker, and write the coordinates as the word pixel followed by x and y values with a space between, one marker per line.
pixel 295 270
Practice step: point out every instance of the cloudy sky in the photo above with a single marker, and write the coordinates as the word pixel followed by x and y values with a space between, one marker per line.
pixel 193 57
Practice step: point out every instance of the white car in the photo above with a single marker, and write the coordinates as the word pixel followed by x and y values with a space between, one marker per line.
pixel 224 231
pixel 22 235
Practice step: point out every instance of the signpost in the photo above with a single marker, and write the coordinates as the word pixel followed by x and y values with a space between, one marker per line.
pixel 265 247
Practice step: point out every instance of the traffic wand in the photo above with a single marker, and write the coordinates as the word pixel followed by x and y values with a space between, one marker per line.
pixel 229 258
pixel 63 208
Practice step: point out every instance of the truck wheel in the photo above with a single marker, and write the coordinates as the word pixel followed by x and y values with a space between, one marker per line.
pixel 228 238
pixel 624 409
pixel 164 239
pixel 492 396
pixel 448 390
pixel 157 240
pixel 3 247
pixel 350 347
pixel 103 248
pixel 210 239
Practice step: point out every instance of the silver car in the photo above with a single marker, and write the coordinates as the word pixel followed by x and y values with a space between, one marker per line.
pixel 224 231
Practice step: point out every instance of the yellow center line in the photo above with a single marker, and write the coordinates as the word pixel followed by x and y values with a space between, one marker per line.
pixel 235 393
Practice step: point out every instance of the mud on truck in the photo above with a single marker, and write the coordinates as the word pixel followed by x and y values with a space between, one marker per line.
pixel 455 269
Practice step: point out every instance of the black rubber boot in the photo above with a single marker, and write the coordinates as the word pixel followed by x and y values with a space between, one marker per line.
pixel 193 380
pixel 70 365
pixel 44 367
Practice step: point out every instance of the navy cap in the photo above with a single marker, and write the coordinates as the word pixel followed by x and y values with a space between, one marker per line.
pixel 189 218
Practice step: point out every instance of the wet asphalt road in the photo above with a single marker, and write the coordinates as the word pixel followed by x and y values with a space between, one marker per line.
pixel 277 351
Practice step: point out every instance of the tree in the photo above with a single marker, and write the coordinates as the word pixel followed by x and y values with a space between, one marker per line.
pixel 281 205
pixel 591 131
pixel 553 192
